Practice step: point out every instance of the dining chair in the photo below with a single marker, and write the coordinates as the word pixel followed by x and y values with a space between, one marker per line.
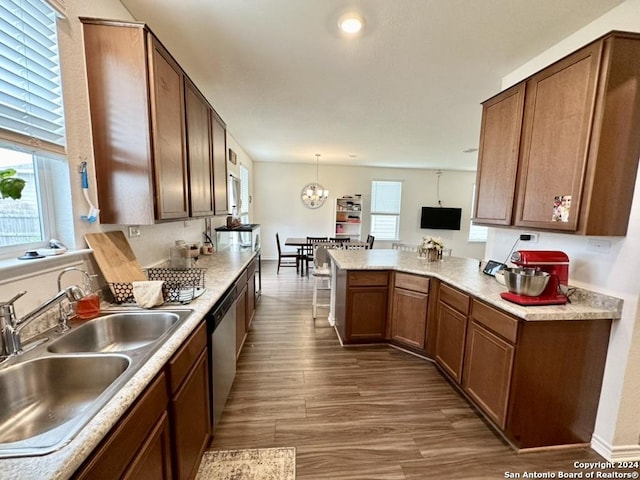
pixel 355 246
pixel 370 239
pixel 404 247
pixel 322 273
pixel 340 239
pixel 284 259
pixel 306 251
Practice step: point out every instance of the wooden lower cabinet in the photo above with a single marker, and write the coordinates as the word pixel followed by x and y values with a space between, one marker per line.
pixel 190 420
pixel 154 458
pixel 361 305
pixel 538 381
pixel 241 317
pixel 409 310
pixel 127 444
pixel 450 342
pixel 487 372
pixel 164 434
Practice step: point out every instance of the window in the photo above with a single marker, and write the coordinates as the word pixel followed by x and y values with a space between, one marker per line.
pixel 32 132
pixel 385 209
pixel 477 233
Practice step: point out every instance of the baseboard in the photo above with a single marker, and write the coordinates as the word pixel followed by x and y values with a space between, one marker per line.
pixel 624 453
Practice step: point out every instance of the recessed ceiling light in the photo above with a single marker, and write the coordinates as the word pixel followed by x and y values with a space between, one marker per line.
pixel 350 23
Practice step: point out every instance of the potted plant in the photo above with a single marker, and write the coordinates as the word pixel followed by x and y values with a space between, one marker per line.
pixel 10 186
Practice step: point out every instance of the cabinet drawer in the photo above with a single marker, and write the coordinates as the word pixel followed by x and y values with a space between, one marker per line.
pixel 242 279
pixel 454 298
pixel 184 358
pixel 416 283
pixel 495 320
pixel 251 268
pixel 373 278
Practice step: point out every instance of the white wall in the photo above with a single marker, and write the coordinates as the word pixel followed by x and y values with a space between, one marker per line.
pixel 279 209
pixel 615 272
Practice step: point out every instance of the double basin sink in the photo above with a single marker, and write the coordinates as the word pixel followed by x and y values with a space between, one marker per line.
pixel 50 393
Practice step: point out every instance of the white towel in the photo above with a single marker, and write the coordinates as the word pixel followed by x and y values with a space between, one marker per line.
pixel 148 293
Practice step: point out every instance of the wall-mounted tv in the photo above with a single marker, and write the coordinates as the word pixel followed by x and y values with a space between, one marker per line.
pixel 441 218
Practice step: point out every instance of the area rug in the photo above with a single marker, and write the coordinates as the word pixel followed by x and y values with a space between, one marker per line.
pixel 254 464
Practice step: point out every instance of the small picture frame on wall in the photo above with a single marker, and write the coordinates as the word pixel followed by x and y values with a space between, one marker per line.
pixel 233 158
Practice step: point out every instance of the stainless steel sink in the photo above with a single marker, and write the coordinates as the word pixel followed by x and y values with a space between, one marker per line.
pixel 117 332
pixel 48 394
pixel 40 397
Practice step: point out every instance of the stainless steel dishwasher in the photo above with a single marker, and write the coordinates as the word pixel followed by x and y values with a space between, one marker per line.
pixel 221 329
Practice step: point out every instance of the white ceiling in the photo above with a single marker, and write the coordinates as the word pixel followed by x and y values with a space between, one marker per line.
pixel 406 93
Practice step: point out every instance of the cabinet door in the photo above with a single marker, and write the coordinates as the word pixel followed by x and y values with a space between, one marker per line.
pixel 498 157
pixel 487 372
pixel 452 330
pixel 241 318
pixel 557 125
pixel 409 318
pixel 168 140
pixel 199 152
pixel 366 313
pixel 190 420
pixel 251 300
pixel 219 135
pixel 154 458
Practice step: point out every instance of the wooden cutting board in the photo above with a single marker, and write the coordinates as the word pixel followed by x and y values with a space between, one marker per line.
pixel 115 258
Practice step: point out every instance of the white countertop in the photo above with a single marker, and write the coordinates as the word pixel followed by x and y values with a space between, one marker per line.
pixel 466 275
pixel 222 270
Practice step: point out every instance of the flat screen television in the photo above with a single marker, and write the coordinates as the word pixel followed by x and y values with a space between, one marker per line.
pixel 441 218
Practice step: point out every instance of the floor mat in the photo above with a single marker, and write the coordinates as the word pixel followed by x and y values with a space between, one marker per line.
pixel 254 464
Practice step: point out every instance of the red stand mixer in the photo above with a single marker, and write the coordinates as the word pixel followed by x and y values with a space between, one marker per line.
pixel 555 263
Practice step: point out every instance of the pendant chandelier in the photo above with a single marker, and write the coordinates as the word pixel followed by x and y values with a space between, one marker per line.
pixel 313 194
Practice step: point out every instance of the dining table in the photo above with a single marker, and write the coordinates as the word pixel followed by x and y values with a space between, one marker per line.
pixel 301 242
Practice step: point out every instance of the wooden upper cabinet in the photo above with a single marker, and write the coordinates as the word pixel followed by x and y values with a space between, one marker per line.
pixel 498 157
pixel 558 113
pixel 168 134
pixel 578 150
pixel 151 128
pixel 218 129
pixel 199 152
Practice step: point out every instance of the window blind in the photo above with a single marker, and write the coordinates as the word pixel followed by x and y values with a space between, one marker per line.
pixel 385 197
pixel 385 209
pixel 31 110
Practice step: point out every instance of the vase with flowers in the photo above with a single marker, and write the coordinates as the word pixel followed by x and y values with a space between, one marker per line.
pixel 430 248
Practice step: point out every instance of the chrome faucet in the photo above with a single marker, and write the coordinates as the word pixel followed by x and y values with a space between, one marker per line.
pixel 10 342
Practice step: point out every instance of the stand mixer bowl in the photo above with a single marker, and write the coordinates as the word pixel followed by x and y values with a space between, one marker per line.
pixel 529 282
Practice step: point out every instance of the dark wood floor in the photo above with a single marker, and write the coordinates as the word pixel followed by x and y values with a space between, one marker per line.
pixel 370 412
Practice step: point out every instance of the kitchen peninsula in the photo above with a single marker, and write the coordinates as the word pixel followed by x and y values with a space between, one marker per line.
pixel 534 372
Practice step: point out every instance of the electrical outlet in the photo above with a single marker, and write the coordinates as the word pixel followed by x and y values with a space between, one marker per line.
pixel 134 231
pixel 529 237
pixel 598 246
